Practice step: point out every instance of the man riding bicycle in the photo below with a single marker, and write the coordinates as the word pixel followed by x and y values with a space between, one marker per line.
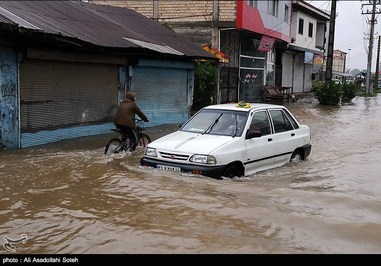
pixel 125 118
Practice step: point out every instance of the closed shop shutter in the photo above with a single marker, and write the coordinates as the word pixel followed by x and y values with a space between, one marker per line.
pixel 56 94
pixel 162 93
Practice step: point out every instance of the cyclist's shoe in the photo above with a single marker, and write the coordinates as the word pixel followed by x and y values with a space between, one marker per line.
pixel 125 146
pixel 133 146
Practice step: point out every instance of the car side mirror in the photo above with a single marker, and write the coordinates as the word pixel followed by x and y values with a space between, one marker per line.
pixel 253 134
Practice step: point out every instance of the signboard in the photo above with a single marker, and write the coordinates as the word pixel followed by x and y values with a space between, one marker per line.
pixel 318 59
pixel 266 44
pixel 308 58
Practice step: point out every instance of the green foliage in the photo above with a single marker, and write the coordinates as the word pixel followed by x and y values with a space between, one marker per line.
pixel 362 93
pixel 349 91
pixel 327 96
pixel 334 94
pixel 205 90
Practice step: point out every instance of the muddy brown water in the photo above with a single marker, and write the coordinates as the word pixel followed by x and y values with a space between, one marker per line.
pixel 69 198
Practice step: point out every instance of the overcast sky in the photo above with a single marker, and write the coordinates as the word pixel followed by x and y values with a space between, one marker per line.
pixel 352 31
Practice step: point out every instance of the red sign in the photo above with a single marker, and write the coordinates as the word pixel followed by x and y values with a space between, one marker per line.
pixel 266 44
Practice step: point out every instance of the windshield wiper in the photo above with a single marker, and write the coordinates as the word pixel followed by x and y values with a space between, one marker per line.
pixel 209 128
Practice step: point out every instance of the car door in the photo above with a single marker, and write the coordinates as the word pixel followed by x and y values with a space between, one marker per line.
pixel 260 150
pixel 284 136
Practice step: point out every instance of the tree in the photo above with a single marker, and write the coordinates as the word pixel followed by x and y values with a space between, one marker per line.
pixel 205 89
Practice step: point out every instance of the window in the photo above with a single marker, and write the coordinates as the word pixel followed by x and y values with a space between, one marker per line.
pixel 282 122
pixel 252 3
pixel 301 24
pixel 270 68
pixel 260 122
pixel 286 13
pixel 252 70
pixel 292 120
pixel 272 7
pixel 310 29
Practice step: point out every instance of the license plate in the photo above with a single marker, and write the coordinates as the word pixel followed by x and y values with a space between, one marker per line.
pixel 169 168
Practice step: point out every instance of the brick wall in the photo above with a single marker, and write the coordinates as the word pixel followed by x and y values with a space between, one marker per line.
pixel 190 18
pixel 144 7
pixel 178 11
pixel 227 10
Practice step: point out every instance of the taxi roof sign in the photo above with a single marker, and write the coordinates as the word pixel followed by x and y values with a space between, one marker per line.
pixel 243 105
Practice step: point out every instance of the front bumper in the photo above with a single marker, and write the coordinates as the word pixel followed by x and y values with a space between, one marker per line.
pixel 210 171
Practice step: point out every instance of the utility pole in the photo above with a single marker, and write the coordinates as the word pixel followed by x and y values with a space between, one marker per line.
pixel 331 38
pixel 377 65
pixel 368 88
pixel 349 57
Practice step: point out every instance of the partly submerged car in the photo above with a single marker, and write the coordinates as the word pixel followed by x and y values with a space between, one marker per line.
pixel 231 140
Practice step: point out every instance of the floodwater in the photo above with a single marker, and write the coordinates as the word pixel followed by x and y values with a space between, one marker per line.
pixel 69 198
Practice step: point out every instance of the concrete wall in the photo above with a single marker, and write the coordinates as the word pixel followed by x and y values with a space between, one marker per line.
pixel 9 105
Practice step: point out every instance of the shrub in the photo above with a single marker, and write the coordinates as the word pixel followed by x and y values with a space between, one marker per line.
pixel 327 96
pixel 335 94
pixel 349 91
pixel 205 89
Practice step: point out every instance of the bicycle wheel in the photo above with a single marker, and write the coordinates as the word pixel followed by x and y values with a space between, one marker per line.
pixel 113 146
pixel 143 140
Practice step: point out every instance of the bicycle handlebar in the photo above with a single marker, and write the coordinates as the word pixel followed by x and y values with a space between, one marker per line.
pixel 140 122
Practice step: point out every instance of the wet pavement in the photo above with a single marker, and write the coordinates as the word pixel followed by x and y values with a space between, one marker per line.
pixel 70 198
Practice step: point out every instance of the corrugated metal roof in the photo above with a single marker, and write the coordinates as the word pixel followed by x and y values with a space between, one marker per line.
pixel 101 25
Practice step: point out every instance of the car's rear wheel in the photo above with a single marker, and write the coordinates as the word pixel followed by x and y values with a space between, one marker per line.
pixel 232 171
pixel 296 157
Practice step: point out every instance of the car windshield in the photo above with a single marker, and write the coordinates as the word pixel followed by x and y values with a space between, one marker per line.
pixel 217 122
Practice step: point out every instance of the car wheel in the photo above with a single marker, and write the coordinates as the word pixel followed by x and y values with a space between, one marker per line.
pixel 296 157
pixel 232 171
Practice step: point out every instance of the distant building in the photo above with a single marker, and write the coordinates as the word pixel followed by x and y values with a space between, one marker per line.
pixel 339 61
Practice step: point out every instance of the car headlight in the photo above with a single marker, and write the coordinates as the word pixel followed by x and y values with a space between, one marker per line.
pixel 150 152
pixel 203 159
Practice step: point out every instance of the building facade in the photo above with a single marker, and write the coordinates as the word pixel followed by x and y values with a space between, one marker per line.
pixel 304 58
pixel 252 34
pixel 266 42
pixel 339 61
pixel 62 78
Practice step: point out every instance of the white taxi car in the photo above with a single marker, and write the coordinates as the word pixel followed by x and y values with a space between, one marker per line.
pixel 231 140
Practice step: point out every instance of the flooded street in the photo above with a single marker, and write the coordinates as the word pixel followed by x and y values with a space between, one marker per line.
pixel 71 198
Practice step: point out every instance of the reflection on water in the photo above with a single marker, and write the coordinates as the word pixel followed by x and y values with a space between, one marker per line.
pixel 73 199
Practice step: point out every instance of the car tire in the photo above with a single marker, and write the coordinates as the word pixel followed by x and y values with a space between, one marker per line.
pixel 296 157
pixel 232 171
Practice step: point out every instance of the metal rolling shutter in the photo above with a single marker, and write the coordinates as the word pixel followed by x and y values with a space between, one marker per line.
pixel 162 93
pixel 57 94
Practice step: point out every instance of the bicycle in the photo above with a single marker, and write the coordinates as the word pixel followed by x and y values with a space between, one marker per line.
pixel 116 145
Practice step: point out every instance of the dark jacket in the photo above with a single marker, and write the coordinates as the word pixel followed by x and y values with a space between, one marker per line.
pixel 125 114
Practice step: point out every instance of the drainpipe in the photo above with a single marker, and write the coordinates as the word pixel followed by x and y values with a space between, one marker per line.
pixel 304 76
pixel 293 70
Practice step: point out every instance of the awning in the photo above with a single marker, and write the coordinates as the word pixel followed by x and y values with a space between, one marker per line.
pixel 220 55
